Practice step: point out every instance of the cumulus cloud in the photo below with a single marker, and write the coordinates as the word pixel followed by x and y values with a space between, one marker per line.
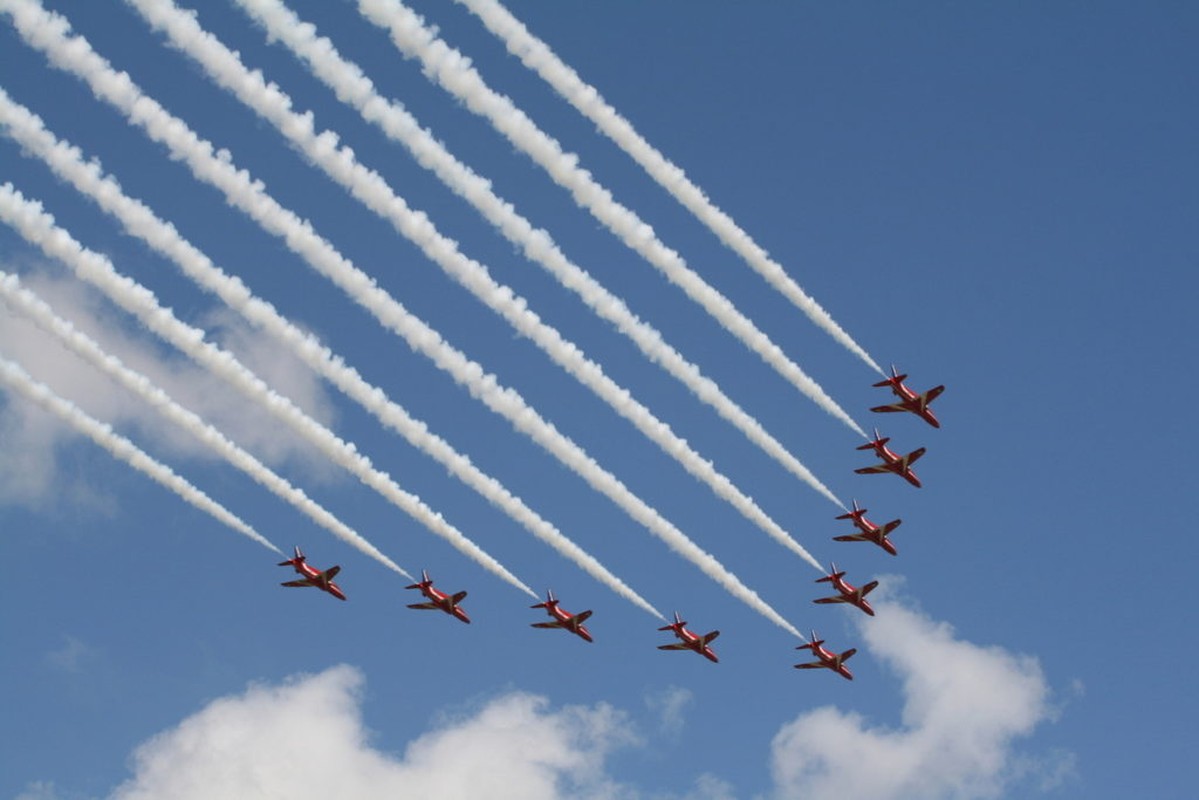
pixel 32 471
pixel 307 739
pixel 964 707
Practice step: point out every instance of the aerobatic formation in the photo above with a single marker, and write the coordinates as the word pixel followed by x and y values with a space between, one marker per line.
pixel 51 33
pixel 846 592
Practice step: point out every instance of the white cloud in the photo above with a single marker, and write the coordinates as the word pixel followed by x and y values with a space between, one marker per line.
pixel 31 472
pixel 307 739
pixel 964 707
pixel 670 706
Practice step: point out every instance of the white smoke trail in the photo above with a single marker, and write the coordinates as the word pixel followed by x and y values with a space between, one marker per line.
pixel 353 87
pixel 37 227
pixel 19 381
pixel 49 32
pixel 453 72
pixel 27 130
pixel 537 56
pixel 339 163
pixel 37 310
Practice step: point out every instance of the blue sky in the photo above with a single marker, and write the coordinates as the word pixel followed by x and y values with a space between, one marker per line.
pixel 998 198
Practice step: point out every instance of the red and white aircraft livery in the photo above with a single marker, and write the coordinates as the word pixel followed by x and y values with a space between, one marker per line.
pixel 439 600
pixel 869 531
pixel 892 461
pixel 562 618
pixel 846 591
pixel 690 641
pixel 312 576
pixel 909 400
pixel 828 660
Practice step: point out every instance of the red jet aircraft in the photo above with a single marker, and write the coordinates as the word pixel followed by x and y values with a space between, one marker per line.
pixel 313 577
pixel 562 618
pixel 869 531
pixel 828 660
pixel 846 591
pixel 909 400
pixel 690 641
pixel 892 462
pixel 439 599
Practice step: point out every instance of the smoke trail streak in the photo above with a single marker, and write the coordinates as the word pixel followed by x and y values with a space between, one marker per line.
pixel 353 87
pixel 37 310
pixel 453 72
pixel 225 68
pixel 38 228
pixel 49 33
pixel 19 381
pixel 537 56
pixel 67 162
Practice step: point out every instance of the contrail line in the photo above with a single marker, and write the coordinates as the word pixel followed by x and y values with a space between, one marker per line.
pixel 19 381
pixel 37 227
pixel 353 87
pixel 538 57
pixel 49 33
pixel 67 162
pixel 452 71
pixel 225 68
pixel 37 310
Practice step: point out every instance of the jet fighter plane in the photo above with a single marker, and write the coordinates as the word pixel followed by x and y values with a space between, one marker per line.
pixel 689 640
pixel 439 600
pixel 892 461
pixel 909 400
pixel 828 660
pixel 562 618
pixel 846 591
pixel 869 531
pixel 312 576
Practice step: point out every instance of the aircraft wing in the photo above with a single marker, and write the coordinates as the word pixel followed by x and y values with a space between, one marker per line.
pixel 850 538
pixel 892 407
pixel 582 616
pixel 876 469
pixel 675 646
pixel 846 655
pixel 812 665
pixel 914 456
pixel 931 395
pixel 331 572
pixel 547 624
pixel 459 597
pixel 868 588
pixel 429 606
pixel 830 600
pixel 298 584
pixel 892 525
